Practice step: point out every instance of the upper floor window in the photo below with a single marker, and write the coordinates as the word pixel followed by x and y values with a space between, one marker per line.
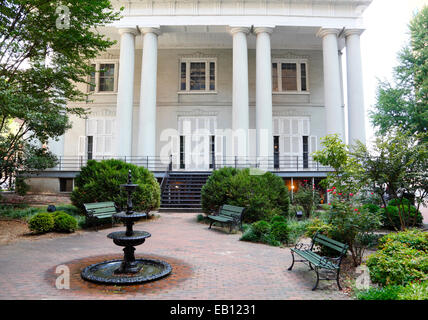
pixel 104 79
pixel 289 75
pixel 198 75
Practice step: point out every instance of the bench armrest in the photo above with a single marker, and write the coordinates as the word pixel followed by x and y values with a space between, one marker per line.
pixel 90 212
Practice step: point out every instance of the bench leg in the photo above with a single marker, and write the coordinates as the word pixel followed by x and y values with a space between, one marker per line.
pixel 291 267
pixel 310 266
pixel 337 280
pixel 318 279
pixel 211 224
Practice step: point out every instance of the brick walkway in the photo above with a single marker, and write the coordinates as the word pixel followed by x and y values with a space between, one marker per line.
pixel 212 264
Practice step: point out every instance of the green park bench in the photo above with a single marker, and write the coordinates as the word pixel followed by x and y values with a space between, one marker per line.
pixel 99 211
pixel 231 215
pixel 317 262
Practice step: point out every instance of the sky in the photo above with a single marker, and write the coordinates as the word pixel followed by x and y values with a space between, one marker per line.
pixel 386 23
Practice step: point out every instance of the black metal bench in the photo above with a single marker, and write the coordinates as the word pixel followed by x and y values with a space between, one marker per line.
pixel 231 215
pixel 317 262
pixel 99 211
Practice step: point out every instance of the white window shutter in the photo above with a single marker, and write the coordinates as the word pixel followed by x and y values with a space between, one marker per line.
pixel 108 145
pixel 306 131
pixel 295 145
pixel 294 126
pixel 81 146
pixel 313 144
pixel 276 126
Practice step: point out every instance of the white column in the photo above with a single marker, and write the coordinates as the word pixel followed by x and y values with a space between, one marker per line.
pixel 356 111
pixel 332 88
pixel 125 92
pixel 147 114
pixel 240 104
pixel 264 92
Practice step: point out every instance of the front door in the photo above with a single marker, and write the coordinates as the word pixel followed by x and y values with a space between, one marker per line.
pixel 196 142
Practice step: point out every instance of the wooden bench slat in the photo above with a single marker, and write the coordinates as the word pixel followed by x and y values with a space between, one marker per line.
pixel 330 245
pixel 339 244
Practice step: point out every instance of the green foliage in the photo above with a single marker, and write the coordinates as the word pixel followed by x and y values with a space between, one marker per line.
pixel 21 187
pixel 263 196
pixel 403 104
pixel 296 229
pixel 100 181
pixel 307 198
pixel 280 231
pixel 409 216
pixel 386 293
pixel 412 291
pixel 274 233
pixel 402 259
pixel 41 223
pixel 372 208
pixel 64 222
pixel 56 62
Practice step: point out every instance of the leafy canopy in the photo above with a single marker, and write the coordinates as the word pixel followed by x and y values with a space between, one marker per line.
pixel 41 63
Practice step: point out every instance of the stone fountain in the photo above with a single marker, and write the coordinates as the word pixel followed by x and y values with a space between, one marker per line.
pixel 129 270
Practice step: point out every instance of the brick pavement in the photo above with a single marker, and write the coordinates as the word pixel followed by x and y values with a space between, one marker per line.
pixel 207 264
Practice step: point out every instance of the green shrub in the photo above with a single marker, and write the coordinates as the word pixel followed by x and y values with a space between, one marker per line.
pixel 278 218
pixel 280 231
pixel 297 229
pixel 21 187
pixel 414 238
pixel 412 291
pixel 100 181
pixel 386 293
pixel 263 196
pixel 41 222
pixel 261 227
pixel 64 222
pixel 372 208
pixel 409 214
pixel 401 259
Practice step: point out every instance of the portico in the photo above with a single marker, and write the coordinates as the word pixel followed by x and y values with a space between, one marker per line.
pixel 262 82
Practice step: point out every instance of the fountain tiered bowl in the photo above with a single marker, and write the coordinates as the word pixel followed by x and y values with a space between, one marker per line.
pixel 129 270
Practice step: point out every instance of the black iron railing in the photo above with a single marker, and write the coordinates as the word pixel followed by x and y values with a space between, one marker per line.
pixel 173 163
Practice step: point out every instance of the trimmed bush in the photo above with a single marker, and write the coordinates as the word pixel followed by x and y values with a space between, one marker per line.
pixel 41 223
pixel 409 214
pixel 402 259
pixel 280 231
pixel 372 208
pixel 263 196
pixel 100 181
pixel 64 222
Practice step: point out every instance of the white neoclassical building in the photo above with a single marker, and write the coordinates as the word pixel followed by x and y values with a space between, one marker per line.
pixel 209 83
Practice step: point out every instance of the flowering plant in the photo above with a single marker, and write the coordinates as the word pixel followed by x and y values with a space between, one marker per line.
pixel 351 223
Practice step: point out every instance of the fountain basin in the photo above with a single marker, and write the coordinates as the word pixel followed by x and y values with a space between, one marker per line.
pixel 104 272
pixel 121 239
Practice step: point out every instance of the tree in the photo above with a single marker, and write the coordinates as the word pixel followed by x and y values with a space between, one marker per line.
pixel 396 167
pixel 44 52
pixel 404 103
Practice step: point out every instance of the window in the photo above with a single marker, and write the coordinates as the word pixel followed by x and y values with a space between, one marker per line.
pixel 289 76
pixel 98 142
pixel 65 184
pixel 198 75
pixel 104 79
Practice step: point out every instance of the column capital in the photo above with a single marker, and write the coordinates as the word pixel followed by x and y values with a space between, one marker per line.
pixel 326 31
pixel 237 29
pixel 155 29
pixel 352 32
pixel 263 29
pixel 131 30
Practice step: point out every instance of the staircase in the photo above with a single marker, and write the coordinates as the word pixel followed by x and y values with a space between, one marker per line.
pixel 182 191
